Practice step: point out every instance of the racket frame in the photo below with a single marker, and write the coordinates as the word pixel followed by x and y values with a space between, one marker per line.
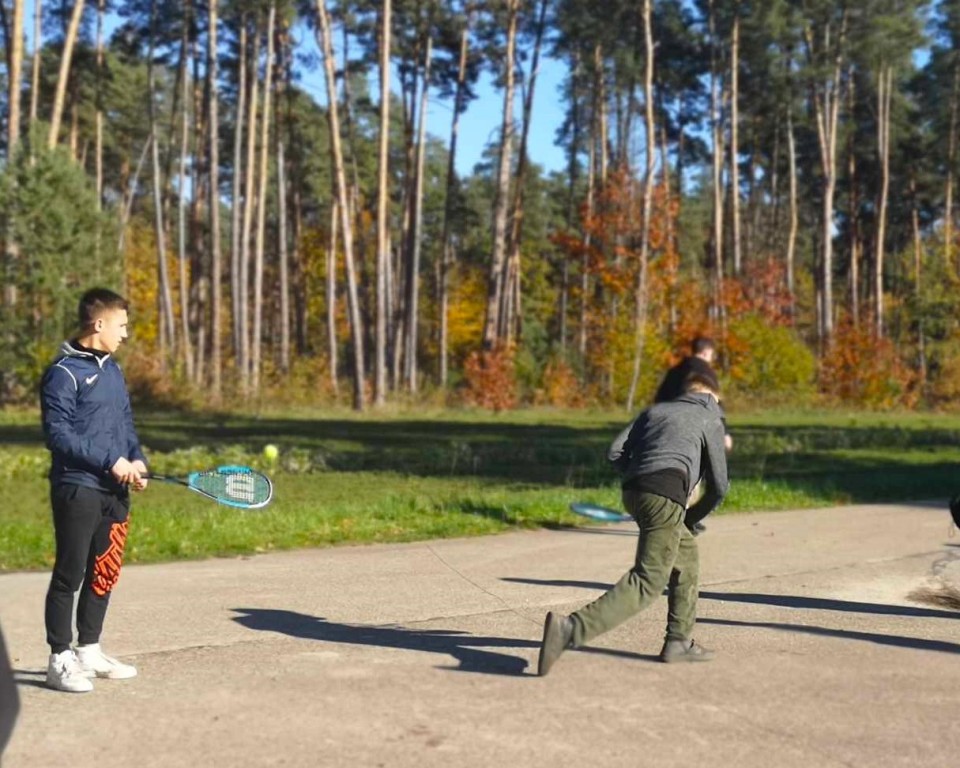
pixel 188 482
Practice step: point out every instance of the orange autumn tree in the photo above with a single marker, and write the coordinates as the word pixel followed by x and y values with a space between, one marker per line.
pixel 861 368
pixel 608 245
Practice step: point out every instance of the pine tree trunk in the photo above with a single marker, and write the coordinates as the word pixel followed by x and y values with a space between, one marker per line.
pixel 186 347
pixel 495 286
pixel 854 212
pixel 326 48
pixel 249 207
pixel 716 120
pixel 282 223
pixel 794 206
pixel 640 312
pixel 510 312
pixel 918 283
pixel 199 181
pixel 256 342
pixel 331 296
pixel 299 284
pixel 572 191
pixel 951 167
pixel 602 141
pixel 446 258
pixel 216 276
pixel 884 89
pixel 15 72
pixel 735 144
pixel 165 298
pixel 15 78
pixel 65 61
pixel 587 235
pixel 35 64
pixel 236 199
pixel 826 103
pixel 98 118
pixel 131 193
pixel 414 277
pixel 383 255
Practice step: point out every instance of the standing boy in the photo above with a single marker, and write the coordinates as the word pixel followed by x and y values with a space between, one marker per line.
pixel 96 459
pixel 660 455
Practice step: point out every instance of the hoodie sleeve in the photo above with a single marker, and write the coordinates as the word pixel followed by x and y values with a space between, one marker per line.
pixel 716 481
pixel 58 404
pixel 621 448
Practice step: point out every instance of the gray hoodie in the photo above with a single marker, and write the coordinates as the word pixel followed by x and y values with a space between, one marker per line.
pixel 685 434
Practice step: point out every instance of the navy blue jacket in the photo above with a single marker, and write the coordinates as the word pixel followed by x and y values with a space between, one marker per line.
pixel 87 420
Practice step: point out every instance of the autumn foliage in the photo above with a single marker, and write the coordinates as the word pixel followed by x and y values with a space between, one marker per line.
pixel 491 380
pixel 861 368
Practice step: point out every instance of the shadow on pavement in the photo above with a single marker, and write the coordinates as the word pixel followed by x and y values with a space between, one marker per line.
pixel 898 641
pixel 465 648
pixel 588 529
pixel 560 583
pixel 779 601
pixel 30 678
pixel 826 604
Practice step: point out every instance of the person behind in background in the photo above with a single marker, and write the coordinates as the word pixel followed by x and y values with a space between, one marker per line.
pixel 659 456
pixel 699 363
pixel 96 460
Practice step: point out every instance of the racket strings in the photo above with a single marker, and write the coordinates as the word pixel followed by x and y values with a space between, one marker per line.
pixel 246 487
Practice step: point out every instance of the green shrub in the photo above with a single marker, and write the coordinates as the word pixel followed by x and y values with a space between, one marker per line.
pixel 769 362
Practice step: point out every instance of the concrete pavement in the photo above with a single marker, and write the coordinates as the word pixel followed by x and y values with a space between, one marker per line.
pixel 424 654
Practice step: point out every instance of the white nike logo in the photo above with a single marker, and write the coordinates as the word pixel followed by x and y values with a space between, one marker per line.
pixel 91 379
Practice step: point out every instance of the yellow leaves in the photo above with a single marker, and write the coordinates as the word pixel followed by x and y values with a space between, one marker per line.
pixel 465 313
pixel 141 283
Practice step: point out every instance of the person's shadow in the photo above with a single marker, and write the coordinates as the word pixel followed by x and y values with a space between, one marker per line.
pixel 467 649
pixel 9 697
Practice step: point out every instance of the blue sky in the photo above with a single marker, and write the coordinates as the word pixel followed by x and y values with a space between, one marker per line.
pixel 480 124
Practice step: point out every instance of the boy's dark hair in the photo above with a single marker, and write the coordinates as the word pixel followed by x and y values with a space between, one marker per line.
pixel 702 344
pixel 95 302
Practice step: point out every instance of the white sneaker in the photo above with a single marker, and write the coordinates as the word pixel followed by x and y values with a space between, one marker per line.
pixel 65 674
pixel 95 663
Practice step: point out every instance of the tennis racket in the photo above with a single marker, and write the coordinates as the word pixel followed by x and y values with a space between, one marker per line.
pixel 234 486
pixel 597 512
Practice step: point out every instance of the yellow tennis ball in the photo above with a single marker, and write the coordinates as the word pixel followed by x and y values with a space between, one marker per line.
pixel 271 452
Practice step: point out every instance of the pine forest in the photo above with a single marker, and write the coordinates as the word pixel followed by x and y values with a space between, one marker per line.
pixel 261 180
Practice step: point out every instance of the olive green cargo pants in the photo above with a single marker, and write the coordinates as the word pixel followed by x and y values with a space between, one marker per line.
pixel 666 557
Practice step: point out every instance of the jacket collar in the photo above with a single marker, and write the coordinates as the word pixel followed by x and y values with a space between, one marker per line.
pixel 71 348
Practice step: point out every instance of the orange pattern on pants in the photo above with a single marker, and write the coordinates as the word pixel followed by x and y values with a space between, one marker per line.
pixel 106 568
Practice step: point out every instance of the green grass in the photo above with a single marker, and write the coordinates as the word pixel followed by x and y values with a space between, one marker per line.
pixel 408 476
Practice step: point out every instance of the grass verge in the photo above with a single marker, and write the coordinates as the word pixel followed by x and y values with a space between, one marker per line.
pixel 343 479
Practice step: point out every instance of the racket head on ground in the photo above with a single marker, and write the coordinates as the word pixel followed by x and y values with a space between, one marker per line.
pixel 598 512
pixel 235 486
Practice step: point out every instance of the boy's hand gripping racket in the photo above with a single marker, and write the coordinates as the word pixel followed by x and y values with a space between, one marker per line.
pixel 234 486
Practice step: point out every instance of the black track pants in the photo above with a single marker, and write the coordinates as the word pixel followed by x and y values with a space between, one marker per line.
pixel 91 531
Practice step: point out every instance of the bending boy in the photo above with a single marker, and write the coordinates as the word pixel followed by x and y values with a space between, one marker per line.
pixel 660 455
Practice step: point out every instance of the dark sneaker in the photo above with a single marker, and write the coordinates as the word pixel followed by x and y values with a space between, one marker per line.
pixel 557 637
pixel 684 650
